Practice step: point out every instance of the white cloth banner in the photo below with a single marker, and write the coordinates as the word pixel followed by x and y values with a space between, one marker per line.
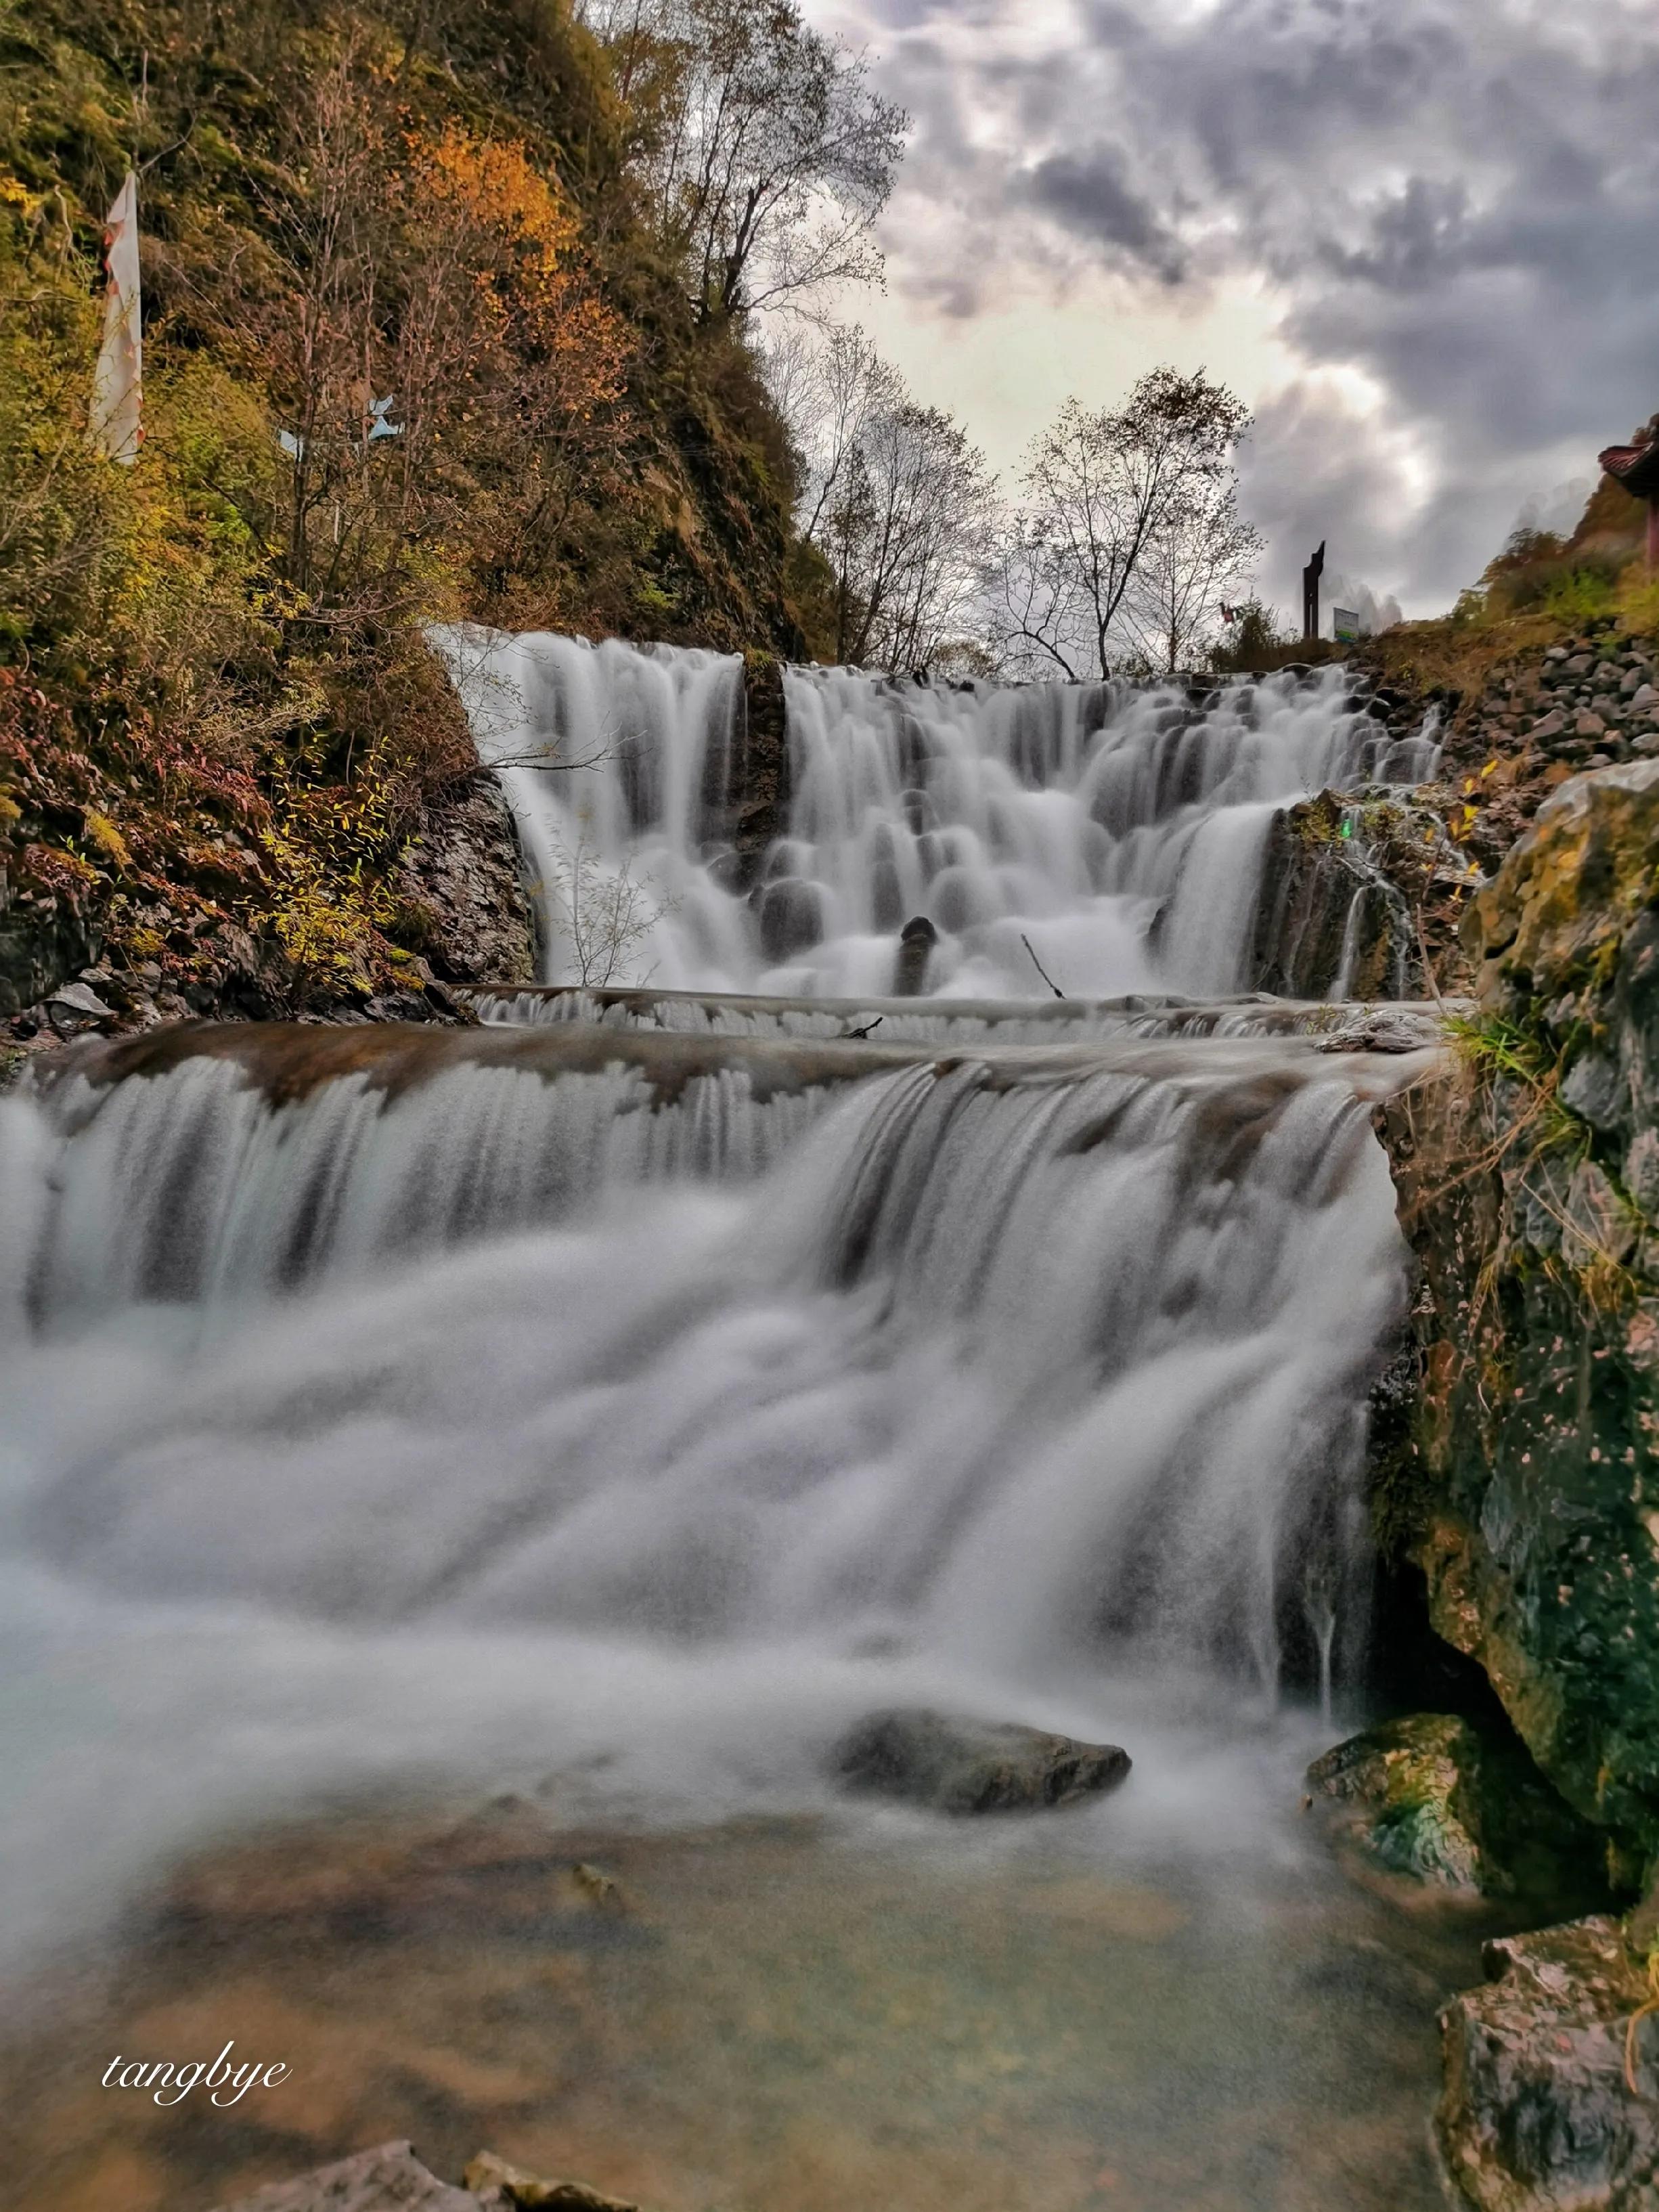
pixel 117 429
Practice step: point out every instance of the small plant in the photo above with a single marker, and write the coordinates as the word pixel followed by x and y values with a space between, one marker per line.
pixel 1497 1047
pixel 608 915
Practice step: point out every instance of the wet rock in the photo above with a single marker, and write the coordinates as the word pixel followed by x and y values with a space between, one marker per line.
pixel 389 2179
pixel 1536 2114
pixel 916 941
pixel 74 1007
pixel 791 917
pixel 1642 1170
pixel 1384 1029
pixel 958 1765
pixel 1598 1226
pixel 1404 1787
pixel 601 1890
pixel 464 906
pixel 1340 882
pixel 1459 1810
pixel 1591 1088
pixel 1533 1512
pixel 492 2181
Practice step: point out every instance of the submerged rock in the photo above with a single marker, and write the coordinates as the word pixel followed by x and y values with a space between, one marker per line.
pixel 1433 1799
pixel 493 2182
pixel 388 2178
pixel 958 1765
pixel 1537 2115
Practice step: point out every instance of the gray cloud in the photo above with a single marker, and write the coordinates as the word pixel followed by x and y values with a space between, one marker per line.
pixel 1090 194
pixel 1459 198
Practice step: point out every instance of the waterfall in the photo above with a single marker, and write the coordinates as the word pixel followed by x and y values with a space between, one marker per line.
pixel 1010 1353
pixel 1120 829
pixel 641 1384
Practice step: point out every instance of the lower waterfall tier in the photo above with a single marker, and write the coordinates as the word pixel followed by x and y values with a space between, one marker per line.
pixel 832 1370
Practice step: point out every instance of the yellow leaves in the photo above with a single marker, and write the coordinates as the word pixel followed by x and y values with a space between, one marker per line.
pixel 102 833
pixel 494 180
pixel 488 222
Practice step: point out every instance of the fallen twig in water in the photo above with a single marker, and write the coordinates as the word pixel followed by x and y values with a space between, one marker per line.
pixel 1041 970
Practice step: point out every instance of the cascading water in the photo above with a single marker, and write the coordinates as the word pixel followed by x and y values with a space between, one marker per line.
pixel 1120 829
pixel 639 1387
pixel 997 1366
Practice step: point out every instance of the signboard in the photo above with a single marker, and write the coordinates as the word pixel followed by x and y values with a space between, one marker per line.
pixel 1344 625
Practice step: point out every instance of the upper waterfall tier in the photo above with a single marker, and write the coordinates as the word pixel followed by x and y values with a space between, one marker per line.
pixel 1121 831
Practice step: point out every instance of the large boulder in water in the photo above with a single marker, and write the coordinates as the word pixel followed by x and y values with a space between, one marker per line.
pixel 956 1764
pixel 1405 1799
pixel 1537 2113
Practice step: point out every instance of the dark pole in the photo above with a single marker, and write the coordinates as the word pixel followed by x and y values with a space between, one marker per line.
pixel 1311 576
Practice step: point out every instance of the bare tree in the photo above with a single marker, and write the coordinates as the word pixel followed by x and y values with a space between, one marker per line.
pixel 767 152
pixel 1107 494
pixel 1204 555
pixel 893 496
pixel 608 914
pixel 831 387
pixel 906 535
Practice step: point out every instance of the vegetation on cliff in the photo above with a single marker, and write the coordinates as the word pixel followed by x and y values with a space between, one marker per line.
pixel 1532 1190
pixel 417 346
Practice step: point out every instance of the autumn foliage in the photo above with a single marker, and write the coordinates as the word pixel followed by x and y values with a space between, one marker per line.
pixel 411 354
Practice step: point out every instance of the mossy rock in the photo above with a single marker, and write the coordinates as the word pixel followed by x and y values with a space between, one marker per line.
pixel 1438 1802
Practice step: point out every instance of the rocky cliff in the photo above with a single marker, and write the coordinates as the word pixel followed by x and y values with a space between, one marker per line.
pixel 1530 1193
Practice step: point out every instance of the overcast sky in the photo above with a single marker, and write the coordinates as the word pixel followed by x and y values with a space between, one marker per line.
pixel 1420 237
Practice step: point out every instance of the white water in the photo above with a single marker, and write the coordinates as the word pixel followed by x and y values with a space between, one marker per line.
pixel 510 1422
pixel 1121 830
pixel 998 1022
pixel 514 1411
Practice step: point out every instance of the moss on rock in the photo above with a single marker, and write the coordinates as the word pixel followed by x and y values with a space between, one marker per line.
pixel 1525 1187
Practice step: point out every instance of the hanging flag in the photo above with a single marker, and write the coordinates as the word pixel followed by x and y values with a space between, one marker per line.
pixel 117 429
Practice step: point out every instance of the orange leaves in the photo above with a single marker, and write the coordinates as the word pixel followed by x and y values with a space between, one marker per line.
pixel 480 210
pixel 493 181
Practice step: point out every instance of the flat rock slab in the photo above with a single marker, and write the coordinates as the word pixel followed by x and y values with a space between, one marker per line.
pixel 956 1764
pixel 1536 2115
pixel 388 2178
